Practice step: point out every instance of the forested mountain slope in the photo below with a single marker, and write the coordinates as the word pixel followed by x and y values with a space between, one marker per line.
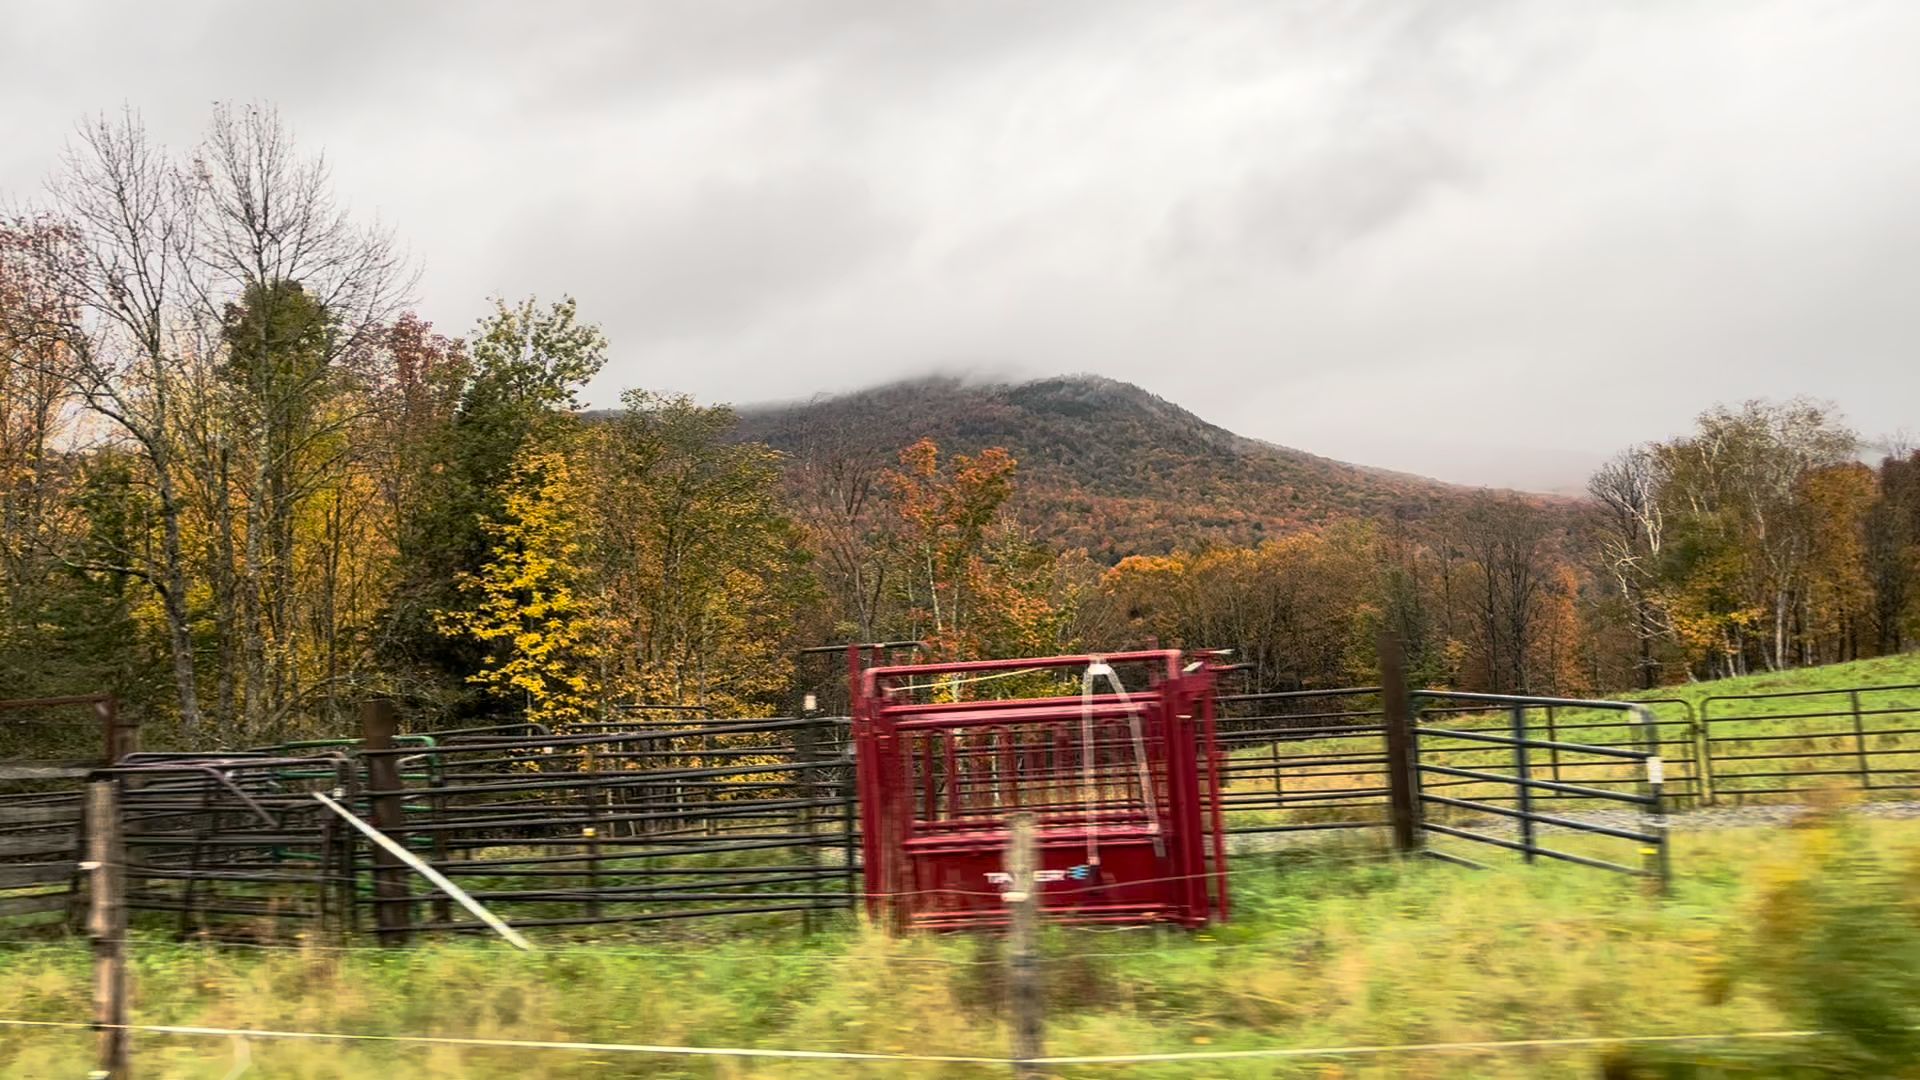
pixel 1104 464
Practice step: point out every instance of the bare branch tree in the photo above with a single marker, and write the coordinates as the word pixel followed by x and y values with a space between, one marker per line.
pixel 222 312
pixel 294 295
pixel 1633 530
pixel 130 225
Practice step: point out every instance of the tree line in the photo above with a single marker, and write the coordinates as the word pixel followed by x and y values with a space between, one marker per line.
pixel 244 485
pixel 1757 541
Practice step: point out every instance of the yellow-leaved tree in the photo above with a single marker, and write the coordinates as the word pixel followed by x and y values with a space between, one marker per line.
pixel 530 608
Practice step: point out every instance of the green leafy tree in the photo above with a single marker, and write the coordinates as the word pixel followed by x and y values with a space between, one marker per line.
pixel 271 434
pixel 697 564
pixel 525 365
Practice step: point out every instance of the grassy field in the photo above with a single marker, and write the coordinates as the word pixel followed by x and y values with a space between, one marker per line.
pixel 1815 927
pixel 1879 671
pixel 1808 737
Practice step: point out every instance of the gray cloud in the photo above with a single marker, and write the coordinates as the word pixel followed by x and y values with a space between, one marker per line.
pixel 1307 213
pixel 707 260
pixel 1485 240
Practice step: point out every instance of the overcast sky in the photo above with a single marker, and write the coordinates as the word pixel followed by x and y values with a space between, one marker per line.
pixel 1488 242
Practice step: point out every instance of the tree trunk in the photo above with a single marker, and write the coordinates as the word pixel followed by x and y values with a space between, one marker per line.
pixel 174 598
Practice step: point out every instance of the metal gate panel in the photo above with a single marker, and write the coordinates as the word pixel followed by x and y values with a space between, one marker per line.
pixel 1124 787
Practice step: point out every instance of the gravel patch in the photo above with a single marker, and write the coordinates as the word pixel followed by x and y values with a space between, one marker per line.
pixel 1734 817
pixel 1760 815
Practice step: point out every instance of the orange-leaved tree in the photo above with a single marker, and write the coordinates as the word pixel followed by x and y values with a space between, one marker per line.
pixel 944 518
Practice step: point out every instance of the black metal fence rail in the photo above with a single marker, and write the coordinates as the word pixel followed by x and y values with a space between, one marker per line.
pixel 667 814
pixel 1302 761
pixel 1787 743
pixel 636 821
pixel 1468 778
pixel 236 846
pixel 1674 738
pixel 629 823
pixel 47 746
pixel 39 840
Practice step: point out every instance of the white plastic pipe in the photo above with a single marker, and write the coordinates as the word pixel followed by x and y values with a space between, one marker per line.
pixel 439 880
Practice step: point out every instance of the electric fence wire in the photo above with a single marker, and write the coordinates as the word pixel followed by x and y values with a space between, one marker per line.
pixel 1355 1050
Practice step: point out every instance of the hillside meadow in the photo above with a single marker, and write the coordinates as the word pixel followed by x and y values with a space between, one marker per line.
pixel 1898 671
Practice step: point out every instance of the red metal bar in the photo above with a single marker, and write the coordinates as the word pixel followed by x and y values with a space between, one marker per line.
pixel 945 714
pixel 1211 748
pixel 1170 657
pixel 953 779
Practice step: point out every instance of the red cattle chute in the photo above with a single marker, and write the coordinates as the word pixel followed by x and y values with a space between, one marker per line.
pixel 1125 784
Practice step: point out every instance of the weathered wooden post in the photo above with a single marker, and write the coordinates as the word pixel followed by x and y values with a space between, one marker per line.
pixel 1860 741
pixel 393 917
pixel 122 736
pixel 1023 975
pixel 1396 707
pixel 107 929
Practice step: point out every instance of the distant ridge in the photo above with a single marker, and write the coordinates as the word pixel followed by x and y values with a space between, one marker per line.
pixel 1104 464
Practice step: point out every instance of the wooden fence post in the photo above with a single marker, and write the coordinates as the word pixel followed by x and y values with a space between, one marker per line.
pixel 1023 975
pixel 1396 707
pixel 107 930
pixel 378 725
pixel 122 736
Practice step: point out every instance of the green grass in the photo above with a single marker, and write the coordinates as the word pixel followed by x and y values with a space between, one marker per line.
pixel 1823 751
pixel 1324 949
pixel 1879 671
pixel 1814 729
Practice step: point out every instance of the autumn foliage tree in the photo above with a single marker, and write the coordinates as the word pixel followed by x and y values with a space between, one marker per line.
pixel 462 416
pixel 1892 549
pixel 943 515
pixel 694 558
pixel 529 604
pixel 1299 611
